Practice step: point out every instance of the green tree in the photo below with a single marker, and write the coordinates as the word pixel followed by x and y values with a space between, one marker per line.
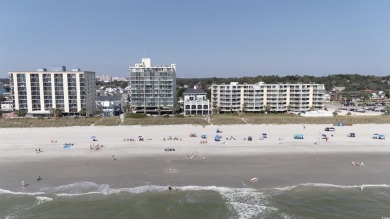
pixel 123 84
pixel 21 112
pixel 267 108
pixel 83 112
pixel 56 112
pixel 180 92
pixel 2 98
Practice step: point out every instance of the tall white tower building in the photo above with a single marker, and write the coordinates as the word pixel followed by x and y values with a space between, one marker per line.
pixel 153 88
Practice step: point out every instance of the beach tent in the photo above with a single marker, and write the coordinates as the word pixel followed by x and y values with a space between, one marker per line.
pixel 264 135
pixel 217 138
pixel 380 136
pixel 192 134
pixel 93 138
pixel 204 136
pixel 249 138
pixel 351 135
pixel 298 136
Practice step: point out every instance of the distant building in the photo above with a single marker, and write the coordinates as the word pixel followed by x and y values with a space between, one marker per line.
pixel 327 97
pixel 153 88
pixel 119 79
pixel 195 102
pixel 40 91
pixel 338 89
pixel 109 105
pixel 261 97
pixel 2 90
pixel 7 106
pixel 104 78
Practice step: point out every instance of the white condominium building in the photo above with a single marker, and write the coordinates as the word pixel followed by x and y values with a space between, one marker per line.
pixel 262 97
pixel 153 88
pixel 40 91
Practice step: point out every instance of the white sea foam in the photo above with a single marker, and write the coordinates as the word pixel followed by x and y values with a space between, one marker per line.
pixel 89 188
pixel 4 191
pixel 42 199
pixel 326 185
pixel 10 216
pixel 246 202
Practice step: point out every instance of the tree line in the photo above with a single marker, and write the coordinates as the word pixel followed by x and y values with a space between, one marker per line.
pixel 351 82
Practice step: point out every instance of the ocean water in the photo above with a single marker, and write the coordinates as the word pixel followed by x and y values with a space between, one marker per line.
pixel 90 200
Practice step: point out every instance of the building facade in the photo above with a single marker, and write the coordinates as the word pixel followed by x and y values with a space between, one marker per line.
pixel 153 88
pixel 40 91
pixel 195 102
pixel 109 105
pixel 262 97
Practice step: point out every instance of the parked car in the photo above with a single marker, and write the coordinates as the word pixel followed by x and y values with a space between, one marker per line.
pixel 330 129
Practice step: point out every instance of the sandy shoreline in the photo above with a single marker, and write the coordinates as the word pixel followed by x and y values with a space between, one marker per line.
pixel 229 163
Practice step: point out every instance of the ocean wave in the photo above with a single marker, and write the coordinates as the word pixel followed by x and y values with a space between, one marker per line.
pixel 245 202
pixel 42 199
pixel 326 185
pixel 5 191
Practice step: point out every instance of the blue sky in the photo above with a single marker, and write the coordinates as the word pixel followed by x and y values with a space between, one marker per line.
pixel 204 38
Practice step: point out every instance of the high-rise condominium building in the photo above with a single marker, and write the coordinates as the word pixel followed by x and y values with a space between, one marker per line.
pixel 261 97
pixel 153 88
pixel 40 91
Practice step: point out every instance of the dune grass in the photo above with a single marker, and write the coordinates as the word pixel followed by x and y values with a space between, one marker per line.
pixel 226 119
pixel 221 119
pixel 32 122
pixel 107 121
pixel 289 119
pixel 166 121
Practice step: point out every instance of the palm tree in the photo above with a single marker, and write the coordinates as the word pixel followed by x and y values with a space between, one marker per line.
pixel 244 105
pixel 170 108
pixel 58 112
pixel 267 108
pixel 53 112
pixel 83 112
pixel 128 103
pixel 159 110
pixel 21 112
pixel 288 107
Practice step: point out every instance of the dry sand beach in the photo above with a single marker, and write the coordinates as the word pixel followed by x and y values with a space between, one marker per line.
pixel 278 160
pixel 276 177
